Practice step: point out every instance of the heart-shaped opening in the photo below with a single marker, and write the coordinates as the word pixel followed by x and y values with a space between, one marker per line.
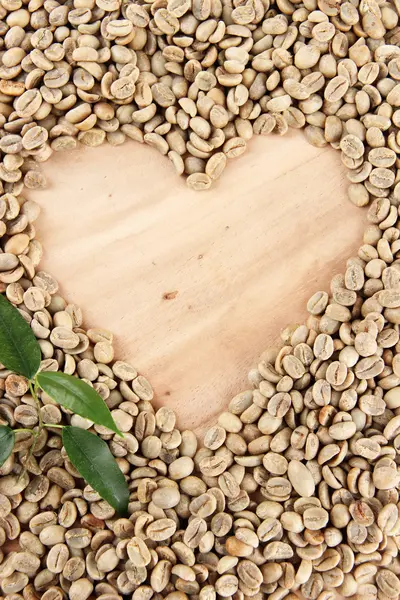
pixel 195 287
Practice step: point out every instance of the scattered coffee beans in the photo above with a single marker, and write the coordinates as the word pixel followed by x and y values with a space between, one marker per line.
pixel 296 488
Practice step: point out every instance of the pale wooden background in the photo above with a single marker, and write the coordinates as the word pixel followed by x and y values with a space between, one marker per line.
pixel 120 230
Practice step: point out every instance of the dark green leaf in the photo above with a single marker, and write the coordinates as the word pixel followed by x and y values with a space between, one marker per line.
pixel 91 456
pixel 7 441
pixel 19 349
pixel 78 396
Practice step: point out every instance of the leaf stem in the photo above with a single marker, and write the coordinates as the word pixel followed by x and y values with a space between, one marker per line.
pixel 25 429
pixel 33 390
pixel 51 425
pixel 36 433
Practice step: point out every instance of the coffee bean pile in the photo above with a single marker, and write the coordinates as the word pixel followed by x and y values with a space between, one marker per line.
pixel 197 78
pixel 296 488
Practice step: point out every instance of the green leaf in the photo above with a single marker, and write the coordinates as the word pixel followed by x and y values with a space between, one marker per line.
pixel 7 441
pixel 78 396
pixel 91 456
pixel 19 349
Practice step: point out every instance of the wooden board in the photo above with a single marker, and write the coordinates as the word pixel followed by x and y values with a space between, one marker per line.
pixel 237 263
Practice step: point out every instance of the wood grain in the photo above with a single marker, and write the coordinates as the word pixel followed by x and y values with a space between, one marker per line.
pixel 196 285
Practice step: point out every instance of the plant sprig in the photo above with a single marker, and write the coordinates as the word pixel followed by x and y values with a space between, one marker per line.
pixel 90 455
